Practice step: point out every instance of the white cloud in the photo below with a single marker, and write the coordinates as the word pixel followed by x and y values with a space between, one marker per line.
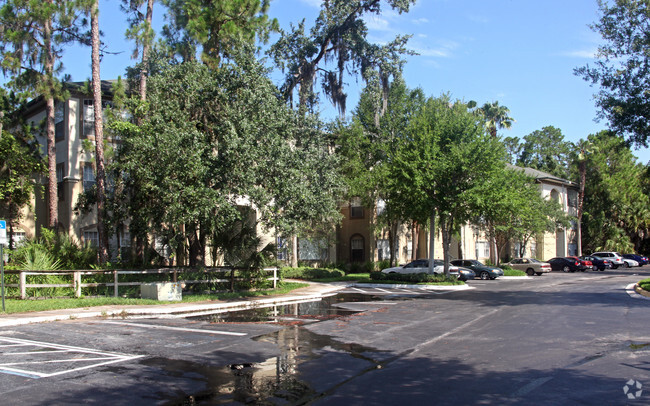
pixel 421 21
pixel 443 49
pixel 377 23
pixel 313 3
pixel 581 53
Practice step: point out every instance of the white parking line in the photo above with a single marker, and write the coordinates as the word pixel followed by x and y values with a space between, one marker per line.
pixel 360 290
pixel 70 355
pixel 383 290
pixel 190 330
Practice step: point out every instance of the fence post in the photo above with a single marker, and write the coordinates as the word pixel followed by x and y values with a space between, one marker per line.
pixel 232 280
pixel 77 283
pixel 275 277
pixel 115 281
pixel 23 282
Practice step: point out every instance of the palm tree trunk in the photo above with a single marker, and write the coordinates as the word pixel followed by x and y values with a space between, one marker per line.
pixel 52 195
pixel 146 45
pixel 102 234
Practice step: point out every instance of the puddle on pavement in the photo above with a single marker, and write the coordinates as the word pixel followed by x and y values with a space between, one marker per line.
pixel 294 313
pixel 295 376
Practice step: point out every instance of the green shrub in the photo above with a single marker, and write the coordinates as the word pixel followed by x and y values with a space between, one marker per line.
pixel 383 264
pixel 52 252
pixel 369 266
pixel 411 277
pixel 310 273
pixel 645 284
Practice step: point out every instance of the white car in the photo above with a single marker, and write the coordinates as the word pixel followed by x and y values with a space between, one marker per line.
pixel 615 257
pixel 630 263
pixel 422 266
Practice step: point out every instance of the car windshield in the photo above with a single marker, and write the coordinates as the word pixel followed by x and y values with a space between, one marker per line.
pixel 475 262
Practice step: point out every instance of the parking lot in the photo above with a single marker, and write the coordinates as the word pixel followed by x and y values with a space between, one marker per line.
pixel 558 339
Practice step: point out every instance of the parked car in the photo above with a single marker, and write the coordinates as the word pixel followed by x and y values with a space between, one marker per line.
pixel 629 263
pixel 615 257
pixel 422 266
pixel 642 260
pixel 483 271
pixel 565 264
pixel 530 265
pixel 598 264
pixel 586 263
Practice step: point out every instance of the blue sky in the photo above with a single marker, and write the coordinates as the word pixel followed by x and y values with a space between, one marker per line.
pixel 518 52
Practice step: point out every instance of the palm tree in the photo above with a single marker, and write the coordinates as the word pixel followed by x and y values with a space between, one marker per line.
pixel 585 148
pixel 496 117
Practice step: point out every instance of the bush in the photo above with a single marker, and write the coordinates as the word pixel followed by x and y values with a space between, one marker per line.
pixel 510 271
pixel 383 264
pixel 411 277
pixel 52 252
pixel 645 284
pixel 310 273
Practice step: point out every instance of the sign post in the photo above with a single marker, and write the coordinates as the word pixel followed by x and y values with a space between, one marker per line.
pixel 3 241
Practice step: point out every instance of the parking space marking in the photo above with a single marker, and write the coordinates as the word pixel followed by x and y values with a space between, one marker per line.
pixel 359 290
pixel 41 356
pixel 189 330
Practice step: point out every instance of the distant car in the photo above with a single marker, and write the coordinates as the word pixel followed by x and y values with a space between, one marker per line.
pixel 565 264
pixel 598 264
pixel 615 257
pixel 422 266
pixel 483 271
pixel 530 265
pixel 641 259
pixel 629 263
pixel 586 263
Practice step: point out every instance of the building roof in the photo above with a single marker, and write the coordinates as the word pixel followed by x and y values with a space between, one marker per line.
pixel 543 176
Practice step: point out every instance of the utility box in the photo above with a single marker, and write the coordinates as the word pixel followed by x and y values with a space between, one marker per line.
pixel 161 291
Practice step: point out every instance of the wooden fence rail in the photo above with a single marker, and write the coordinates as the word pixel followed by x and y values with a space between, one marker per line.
pixel 77 283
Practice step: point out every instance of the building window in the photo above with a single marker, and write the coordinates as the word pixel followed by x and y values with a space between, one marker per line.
pixel 312 249
pixel 573 199
pixel 383 249
pixel 573 250
pixel 92 238
pixel 89 176
pixel 59 122
pixel 357 253
pixel 88 116
pixel 125 239
pixel 60 170
pixel 17 237
pixel 482 249
pixel 356 209
pixel 281 249
pixel 533 249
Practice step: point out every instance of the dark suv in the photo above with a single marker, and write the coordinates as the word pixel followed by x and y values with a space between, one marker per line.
pixel 566 264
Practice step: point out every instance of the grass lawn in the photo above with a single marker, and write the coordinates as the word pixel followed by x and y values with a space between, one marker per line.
pixel 21 306
pixel 645 284
pixel 513 272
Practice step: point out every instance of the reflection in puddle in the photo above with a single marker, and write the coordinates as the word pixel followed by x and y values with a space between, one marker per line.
pixel 307 363
pixel 294 313
pixel 296 376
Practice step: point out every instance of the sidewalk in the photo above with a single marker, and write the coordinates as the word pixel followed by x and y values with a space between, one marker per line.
pixel 314 291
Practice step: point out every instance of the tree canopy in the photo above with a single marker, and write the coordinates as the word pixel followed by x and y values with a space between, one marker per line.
pixel 622 68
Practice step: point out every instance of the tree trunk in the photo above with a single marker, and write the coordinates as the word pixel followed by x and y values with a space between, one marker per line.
pixel 415 233
pixel 582 167
pixel 102 233
pixel 445 226
pixel 146 45
pixel 432 240
pixel 52 195
pixel 294 251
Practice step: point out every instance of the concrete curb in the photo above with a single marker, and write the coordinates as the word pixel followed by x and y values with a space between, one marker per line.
pixel 641 291
pixel 317 292
pixel 402 286
pixel 513 278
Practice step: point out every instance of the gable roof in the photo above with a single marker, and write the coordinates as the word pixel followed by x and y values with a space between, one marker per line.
pixel 543 176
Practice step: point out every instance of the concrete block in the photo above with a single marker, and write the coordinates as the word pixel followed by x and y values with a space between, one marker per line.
pixel 161 291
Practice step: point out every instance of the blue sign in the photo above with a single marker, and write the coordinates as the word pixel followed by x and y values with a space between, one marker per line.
pixel 3 232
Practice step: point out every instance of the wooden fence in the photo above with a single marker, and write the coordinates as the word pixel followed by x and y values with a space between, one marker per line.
pixel 77 283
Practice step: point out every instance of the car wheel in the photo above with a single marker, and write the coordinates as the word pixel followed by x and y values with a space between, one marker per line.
pixel 539 273
pixel 595 268
pixel 626 265
pixel 485 276
pixel 530 272
pixel 615 267
pixel 566 269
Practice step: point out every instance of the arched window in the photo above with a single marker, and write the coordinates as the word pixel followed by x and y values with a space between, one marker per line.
pixel 357 252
